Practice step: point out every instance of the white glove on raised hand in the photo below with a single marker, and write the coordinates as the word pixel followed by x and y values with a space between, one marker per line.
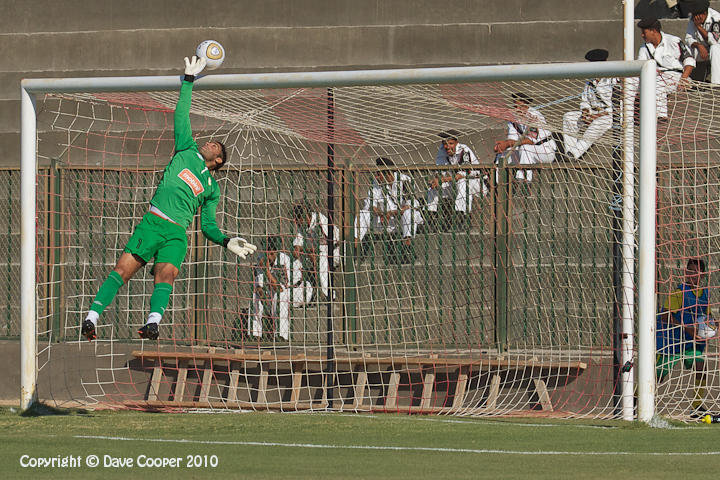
pixel 194 66
pixel 240 247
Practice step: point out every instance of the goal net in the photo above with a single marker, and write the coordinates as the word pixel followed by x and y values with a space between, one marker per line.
pixel 415 275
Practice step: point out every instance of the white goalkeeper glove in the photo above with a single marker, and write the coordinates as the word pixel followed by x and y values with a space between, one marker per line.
pixel 240 247
pixel 194 66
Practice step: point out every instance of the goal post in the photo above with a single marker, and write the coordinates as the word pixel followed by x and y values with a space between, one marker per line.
pixel 512 75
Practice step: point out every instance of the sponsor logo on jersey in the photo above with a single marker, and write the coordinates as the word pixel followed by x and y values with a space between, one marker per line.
pixel 192 181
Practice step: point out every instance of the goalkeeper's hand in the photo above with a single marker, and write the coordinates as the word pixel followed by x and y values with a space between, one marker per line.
pixel 194 65
pixel 240 247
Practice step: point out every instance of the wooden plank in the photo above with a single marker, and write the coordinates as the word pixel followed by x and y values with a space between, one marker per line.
pixel 262 386
pixel 460 389
pixel 391 397
pixel 155 383
pixel 491 402
pixel 233 383
pixel 324 401
pixel 234 379
pixel 285 406
pixel 207 377
pixel 181 380
pixel 297 374
pixel 359 389
pixel 428 383
pixel 542 393
pixel 398 363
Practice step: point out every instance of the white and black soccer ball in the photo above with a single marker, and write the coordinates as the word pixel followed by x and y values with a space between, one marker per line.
pixel 212 52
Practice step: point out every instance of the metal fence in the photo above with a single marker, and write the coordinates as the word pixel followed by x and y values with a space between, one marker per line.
pixel 530 267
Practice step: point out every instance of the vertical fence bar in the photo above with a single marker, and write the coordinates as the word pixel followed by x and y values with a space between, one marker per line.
pixel 502 236
pixel 56 248
pixel 350 283
pixel 330 367
pixel 617 268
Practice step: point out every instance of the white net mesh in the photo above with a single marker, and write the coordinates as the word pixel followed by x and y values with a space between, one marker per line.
pixel 490 292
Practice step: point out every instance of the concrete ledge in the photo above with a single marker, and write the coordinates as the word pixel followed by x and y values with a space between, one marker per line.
pixel 255 48
pixel 80 15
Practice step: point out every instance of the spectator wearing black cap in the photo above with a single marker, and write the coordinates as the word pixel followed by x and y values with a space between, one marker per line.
pixel 527 138
pixel 703 36
pixel 674 60
pixel 595 114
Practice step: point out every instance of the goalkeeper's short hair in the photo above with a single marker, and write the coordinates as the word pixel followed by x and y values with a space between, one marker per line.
pixel 223 154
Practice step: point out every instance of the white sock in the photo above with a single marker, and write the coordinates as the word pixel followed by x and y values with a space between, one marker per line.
pixel 93 317
pixel 154 317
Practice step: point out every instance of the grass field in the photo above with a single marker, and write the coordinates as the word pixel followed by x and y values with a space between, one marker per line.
pixel 272 445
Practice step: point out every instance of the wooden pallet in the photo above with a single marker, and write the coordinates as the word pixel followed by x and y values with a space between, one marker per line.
pixel 174 367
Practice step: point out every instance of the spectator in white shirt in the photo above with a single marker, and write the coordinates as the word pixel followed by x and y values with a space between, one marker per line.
pixel 595 114
pixel 389 207
pixel 464 185
pixel 529 141
pixel 703 36
pixel 675 63
pixel 312 238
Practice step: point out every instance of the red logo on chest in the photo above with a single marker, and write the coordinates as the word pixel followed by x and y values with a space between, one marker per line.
pixel 191 181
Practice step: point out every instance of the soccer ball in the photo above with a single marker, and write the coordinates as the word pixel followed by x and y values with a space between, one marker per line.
pixel 703 329
pixel 212 52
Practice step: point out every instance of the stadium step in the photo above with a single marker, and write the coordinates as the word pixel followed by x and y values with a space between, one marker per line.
pixel 77 15
pixel 275 380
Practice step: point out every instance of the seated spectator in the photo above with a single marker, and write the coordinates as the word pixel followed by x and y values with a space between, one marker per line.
pixel 278 283
pixel 389 208
pixel 703 36
pixel 460 184
pixel 595 115
pixel 527 141
pixel 312 237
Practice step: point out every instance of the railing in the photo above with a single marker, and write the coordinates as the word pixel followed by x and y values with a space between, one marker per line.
pixel 501 279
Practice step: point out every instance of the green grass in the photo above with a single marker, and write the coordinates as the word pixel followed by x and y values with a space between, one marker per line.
pixel 57 433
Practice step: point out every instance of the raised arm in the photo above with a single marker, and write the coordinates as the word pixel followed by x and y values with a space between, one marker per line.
pixel 208 224
pixel 183 132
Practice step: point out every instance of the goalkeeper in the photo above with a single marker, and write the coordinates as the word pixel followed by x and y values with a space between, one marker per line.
pixel 187 183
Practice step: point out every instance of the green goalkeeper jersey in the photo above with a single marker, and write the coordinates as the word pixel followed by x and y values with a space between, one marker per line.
pixel 186 182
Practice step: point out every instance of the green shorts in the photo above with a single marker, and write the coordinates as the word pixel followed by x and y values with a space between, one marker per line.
pixel 665 363
pixel 155 237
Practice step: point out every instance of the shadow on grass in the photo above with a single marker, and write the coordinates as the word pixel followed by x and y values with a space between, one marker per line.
pixel 42 410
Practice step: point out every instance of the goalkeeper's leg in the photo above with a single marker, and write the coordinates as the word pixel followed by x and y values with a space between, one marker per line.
pixel 125 268
pixel 165 274
pixel 168 260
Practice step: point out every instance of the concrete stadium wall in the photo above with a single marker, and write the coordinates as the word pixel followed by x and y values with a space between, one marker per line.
pixel 109 38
